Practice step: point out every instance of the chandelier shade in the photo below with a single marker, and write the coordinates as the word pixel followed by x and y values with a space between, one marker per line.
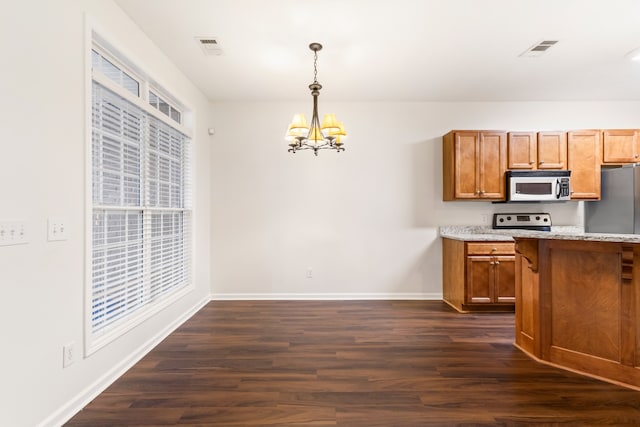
pixel 329 135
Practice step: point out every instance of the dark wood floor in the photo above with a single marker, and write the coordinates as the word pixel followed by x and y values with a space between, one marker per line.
pixel 351 363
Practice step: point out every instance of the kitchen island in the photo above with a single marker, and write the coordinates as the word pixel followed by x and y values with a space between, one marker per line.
pixel 577 301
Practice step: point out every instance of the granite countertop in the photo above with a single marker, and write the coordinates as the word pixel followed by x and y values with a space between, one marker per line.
pixel 473 234
pixel 487 234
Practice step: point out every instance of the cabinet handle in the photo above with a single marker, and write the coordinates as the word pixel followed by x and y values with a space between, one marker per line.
pixel 491 263
pixel 541 162
pixel 494 249
pixel 497 262
pixel 531 162
pixel 636 156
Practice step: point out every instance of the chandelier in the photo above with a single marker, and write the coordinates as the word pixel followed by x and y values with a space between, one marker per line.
pixel 329 136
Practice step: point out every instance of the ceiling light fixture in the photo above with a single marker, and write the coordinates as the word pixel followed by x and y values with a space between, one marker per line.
pixel 329 136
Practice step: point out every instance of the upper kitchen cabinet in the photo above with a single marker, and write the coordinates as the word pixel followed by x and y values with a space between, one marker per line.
pixel 620 146
pixel 583 153
pixel 521 150
pixel 474 163
pixel 544 150
pixel 552 150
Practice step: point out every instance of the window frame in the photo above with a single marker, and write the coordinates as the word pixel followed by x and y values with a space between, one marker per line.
pixel 98 42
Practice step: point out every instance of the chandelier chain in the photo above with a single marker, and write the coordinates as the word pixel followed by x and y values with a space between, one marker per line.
pixel 315 66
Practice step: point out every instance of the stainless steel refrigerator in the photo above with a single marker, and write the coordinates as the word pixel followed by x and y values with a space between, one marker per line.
pixel 618 211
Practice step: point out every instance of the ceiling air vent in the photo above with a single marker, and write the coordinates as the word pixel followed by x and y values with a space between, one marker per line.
pixel 209 45
pixel 539 48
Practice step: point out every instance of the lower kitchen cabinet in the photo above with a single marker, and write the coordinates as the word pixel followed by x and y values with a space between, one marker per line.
pixel 490 279
pixel 478 276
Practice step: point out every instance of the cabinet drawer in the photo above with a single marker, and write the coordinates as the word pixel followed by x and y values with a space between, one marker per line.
pixel 491 248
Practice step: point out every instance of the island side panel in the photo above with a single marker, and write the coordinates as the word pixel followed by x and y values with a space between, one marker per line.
pixel 453 274
pixel 527 315
pixel 585 308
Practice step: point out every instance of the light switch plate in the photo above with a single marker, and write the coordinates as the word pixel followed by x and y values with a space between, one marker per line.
pixel 68 354
pixel 13 233
pixel 57 229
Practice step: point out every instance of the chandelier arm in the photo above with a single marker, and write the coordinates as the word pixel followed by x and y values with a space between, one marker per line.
pixel 324 146
pixel 313 146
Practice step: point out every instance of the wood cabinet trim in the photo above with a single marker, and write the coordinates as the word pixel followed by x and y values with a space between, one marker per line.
pixel 528 248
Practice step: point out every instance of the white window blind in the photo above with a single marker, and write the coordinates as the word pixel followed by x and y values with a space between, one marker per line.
pixel 141 210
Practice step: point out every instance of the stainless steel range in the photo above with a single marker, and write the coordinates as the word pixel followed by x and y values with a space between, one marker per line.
pixel 522 221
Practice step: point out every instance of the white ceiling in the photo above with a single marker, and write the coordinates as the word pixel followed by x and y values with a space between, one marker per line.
pixel 401 50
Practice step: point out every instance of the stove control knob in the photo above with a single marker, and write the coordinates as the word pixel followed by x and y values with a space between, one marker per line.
pixel 538 218
pixel 546 220
pixel 508 218
pixel 501 219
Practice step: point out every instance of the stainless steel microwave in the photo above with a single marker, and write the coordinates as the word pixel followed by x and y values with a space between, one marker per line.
pixel 538 186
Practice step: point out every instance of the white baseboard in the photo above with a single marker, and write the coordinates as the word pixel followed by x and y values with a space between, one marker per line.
pixel 329 296
pixel 66 412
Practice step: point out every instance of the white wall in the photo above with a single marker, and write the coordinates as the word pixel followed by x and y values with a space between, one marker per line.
pixel 42 174
pixel 365 220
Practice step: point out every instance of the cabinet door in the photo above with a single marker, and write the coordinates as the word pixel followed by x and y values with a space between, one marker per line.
pixel 492 165
pixel 521 150
pixel 505 279
pixel 466 175
pixel 552 150
pixel 583 152
pixel 480 279
pixel 620 146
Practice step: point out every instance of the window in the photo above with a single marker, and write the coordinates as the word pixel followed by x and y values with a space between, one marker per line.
pixel 141 203
pixel 101 64
pixel 165 108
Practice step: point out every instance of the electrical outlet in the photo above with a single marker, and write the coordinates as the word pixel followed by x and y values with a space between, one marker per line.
pixel 485 219
pixel 309 273
pixel 13 233
pixel 68 354
pixel 57 229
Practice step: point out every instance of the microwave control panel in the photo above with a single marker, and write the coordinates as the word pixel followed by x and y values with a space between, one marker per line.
pixel 526 221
